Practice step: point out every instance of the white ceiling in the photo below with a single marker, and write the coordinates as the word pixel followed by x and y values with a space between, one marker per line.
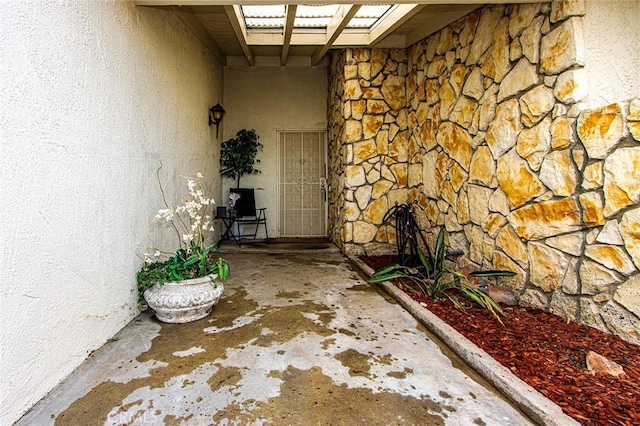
pixel 221 26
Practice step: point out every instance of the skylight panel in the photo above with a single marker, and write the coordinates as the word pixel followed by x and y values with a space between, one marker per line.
pixel 368 15
pixel 257 17
pixel 315 16
pixel 271 16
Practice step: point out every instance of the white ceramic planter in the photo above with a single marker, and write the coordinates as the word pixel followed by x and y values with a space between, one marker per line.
pixel 184 301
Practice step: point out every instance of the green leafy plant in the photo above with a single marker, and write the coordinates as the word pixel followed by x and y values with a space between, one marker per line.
pixel 194 258
pixel 238 154
pixel 434 279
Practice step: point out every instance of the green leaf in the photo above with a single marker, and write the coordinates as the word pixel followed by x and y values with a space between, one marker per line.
pixel 492 273
pixel 440 251
pixel 425 262
pixel 378 278
pixel 191 260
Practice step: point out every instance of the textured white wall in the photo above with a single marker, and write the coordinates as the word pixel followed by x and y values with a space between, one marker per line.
pixel 268 99
pixel 612 48
pixel 94 95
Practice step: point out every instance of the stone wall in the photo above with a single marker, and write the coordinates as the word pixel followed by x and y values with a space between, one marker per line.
pixel 368 134
pixel 481 125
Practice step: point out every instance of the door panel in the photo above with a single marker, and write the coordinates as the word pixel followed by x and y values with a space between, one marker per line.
pixel 301 186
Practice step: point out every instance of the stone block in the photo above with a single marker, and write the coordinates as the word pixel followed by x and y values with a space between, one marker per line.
pixel 628 295
pixel 570 283
pixel 482 168
pixel 516 180
pixel 504 263
pixel 478 199
pixel 596 278
pixel 393 90
pixel 462 208
pixel 371 125
pixel 469 26
pixel 512 245
pixel 377 106
pixel 351 211
pixel 563 9
pixel 463 112
pixel 474 87
pixel 376 210
pixel 591 203
pixel 364 232
pixel 496 64
pixel 489 19
pixel 564 306
pixel 621 180
pixel 548 266
pixel 448 100
pixel 358 109
pixel 534 143
pixel 364 150
pixel 498 203
pixel 400 173
pixel 503 131
pixel 535 299
pixel 456 142
pixel 612 257
pixel 398 148
pixel 535 104
pixel 530 40
pixel 568 243
pixel 630 233
pixel 558 173
pixel 380 188
pixel 571 86
pixel 563 47
pixel 600 130
pixel 633 119
pixel 352 130
pixel 363 196
pixel 610 234
pixel 354 176
pixel 593 176
pixel 487 110
pixel 352 90
pixel 521 17
pixel 522 77
pixel 378 59
pixel 621 322
pixel 546 219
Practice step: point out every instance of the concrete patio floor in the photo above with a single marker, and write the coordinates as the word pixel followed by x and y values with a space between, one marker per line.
pixel 297 338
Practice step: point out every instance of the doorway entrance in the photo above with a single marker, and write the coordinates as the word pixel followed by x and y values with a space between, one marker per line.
pixel 302 183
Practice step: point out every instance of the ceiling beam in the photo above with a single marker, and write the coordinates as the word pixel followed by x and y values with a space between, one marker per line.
pixel 400 14
pixel 334 29
pixel 288 30
pixel 237 22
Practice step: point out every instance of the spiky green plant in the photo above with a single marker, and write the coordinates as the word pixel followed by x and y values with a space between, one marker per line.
pixel 434 279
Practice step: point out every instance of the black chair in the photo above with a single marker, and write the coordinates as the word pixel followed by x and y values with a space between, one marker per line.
pixel 246 214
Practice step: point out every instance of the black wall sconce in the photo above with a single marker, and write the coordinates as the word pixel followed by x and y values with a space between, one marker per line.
pixel 216 113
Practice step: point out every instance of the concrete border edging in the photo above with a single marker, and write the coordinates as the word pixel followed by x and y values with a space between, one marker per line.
pixel 540 408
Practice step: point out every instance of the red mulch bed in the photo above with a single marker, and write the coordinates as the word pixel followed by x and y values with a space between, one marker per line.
pixel 549 354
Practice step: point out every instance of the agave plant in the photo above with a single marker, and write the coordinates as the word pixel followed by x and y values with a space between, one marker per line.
pixel 435 279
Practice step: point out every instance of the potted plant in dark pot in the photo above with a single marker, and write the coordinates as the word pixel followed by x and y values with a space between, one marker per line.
pixel 184 285
pixel 238 155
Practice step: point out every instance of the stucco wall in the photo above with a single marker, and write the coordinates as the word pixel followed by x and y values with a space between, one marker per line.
pixel 94 96
pixel 267 99
pixel 613 37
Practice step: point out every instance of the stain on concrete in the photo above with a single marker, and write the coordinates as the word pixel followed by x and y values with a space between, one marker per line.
pixel 293 341
pixel 310 397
